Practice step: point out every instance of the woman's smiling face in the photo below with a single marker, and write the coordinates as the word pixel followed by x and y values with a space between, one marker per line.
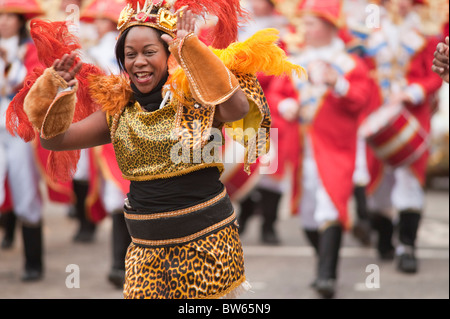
pixel 145 58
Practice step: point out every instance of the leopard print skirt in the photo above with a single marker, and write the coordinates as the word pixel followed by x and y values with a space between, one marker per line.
pixel 210 267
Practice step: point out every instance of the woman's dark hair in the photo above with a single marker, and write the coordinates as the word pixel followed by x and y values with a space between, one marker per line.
pixel 120 47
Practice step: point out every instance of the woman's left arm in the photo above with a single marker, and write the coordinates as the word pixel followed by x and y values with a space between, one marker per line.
pixel 234 109
pixel 231 109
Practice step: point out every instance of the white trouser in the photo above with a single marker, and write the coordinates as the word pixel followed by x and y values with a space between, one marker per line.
pixel 361 176
pixel 112 197
pixel 23 177
pixel 82 172
pixel 272 184
pixel 316 206
pixel 399 189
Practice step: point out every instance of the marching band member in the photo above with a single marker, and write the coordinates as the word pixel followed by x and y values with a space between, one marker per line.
pixel 267 191
pixel 103 15
pixel 86 211
pixel 360 18
pixel 400 57
pixel 330 103
pixel 71 12
pixel 105 180
pixel 17 58
pixel 184 237
pixel 77 193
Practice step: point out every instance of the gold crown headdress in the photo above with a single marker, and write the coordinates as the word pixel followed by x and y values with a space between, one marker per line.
pixel 161 15
pixel 157 15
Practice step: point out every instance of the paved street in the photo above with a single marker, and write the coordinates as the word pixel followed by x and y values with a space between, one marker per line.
pixel 282 272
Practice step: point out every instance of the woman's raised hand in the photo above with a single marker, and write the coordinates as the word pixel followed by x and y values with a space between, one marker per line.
pixel 67 68
pixel 185 24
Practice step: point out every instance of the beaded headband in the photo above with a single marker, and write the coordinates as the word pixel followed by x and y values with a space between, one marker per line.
pixel 163 19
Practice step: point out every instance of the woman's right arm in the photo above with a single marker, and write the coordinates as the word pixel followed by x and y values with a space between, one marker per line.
pixel 89 132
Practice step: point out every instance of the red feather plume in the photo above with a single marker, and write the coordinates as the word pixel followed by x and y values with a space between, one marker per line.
pixel 135 2
pixel 228 13
pixel 52 41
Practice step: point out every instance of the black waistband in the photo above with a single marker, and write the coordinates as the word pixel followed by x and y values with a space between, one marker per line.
pixel 168 194
pixel 180 226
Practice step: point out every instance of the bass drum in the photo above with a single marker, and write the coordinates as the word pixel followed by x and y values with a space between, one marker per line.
pixel 395 135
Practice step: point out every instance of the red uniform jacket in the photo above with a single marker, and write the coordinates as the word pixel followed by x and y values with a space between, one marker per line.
pixel 421 82
pixel 334 124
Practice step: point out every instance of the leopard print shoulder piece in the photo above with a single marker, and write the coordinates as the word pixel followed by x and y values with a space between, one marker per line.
pixel 253 131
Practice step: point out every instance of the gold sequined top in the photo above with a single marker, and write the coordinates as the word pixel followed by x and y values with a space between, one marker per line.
pixel 147 145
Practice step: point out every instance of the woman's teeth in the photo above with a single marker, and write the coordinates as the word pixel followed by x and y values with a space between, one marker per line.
pixel 143 75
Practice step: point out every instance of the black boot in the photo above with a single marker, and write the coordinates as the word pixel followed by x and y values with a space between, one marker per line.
pixel 362 228
pixel 9 225
pixel 385 230
pixel 408 226
pixel 313 237
pixel 120 241
pixel 329 246
pixel 33 247
pixel 269 205
pixel 86 229
pixel 247 209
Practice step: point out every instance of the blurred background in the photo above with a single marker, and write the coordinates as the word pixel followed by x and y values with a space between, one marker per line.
pixel 281 271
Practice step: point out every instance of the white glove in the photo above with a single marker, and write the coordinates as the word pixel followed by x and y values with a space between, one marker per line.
pixel 289 108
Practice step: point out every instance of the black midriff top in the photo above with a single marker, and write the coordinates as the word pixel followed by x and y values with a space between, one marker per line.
pixel 164 195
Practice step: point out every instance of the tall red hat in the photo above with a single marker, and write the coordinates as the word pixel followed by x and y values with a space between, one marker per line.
pixel 103 9
pixel 330 10
pixel 29 8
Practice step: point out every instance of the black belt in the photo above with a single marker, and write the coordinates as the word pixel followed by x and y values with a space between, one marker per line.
pixel 180 226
